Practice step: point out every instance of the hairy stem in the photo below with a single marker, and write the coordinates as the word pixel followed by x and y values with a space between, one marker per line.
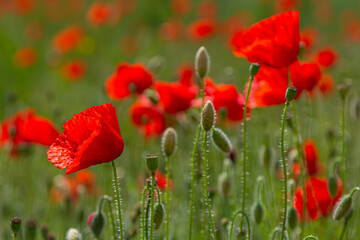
pixel 118 200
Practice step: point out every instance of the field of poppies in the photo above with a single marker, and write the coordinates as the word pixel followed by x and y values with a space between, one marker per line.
pixel 180 119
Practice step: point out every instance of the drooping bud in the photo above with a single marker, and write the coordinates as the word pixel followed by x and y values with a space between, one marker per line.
pixel 30 229
pixel 292 218
pixel 202 62
pixel 349 215
pixel 290 94
pixel 254 69
pixel 266 156
pixel 208 116
pixel 224 184
pixel 44 230
pixel 96 222
pixel 258 212
pixel 152 96
pixel 15 224
pixel 342 207
pixel 168 141
pixel 158 215
pixel 221 140
pixel 73 234
pixel 152 162
pixel 332 186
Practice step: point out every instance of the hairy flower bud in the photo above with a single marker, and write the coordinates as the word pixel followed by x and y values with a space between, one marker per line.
pixel 202 62
pixel 168 141
pixel 254 69
pixel 290 94
pixel 221 140
pixel 342 207
pixel 15 224
pixel 96 222
pixel 332 186
pixel 258 212
pixel 208 116
pixel 292 218
pixel 158 215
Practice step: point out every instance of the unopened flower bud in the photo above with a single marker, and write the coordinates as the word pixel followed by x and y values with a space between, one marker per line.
pixel 342 207
pixel 208 116
pixel 156 63
pixel 258 212
pixel 290 94
pixel 15 224
pixel 254 69
pixel 168 141
pixel 152 96
pixel 152 162
pixel 221 140
pixel 202 62
pixel 266 156
pixel 343 89
pixel 30 229
pixel 224 184
pixel 96 222
pixel 355 109
pixel 292 218
pixel 332 186
pixel 73 234
pixel 158 215
pixel 44 230
pixel 50 236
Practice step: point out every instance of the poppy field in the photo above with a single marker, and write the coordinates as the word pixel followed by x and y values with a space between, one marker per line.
pixel 180 119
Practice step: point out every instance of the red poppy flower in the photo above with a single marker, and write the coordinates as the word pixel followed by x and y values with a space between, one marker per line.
pixel 67 39
pixel 272 42
pixel 305 76
pixel 26 57
pixel 174 97
pixel 23 6
pixel 99 13
pixel 128 78
pixel 181 7
pixel 326 84
pixel 148 117
pixel 318 200
pixel 87 179
pixel 89 138
pixel 308 36
pixel 201 29
pixel 312 157
pixel 74 70
pixel 162 181
pixel 186 74
pixel 171 29
pixel 326 57
pixel 64 188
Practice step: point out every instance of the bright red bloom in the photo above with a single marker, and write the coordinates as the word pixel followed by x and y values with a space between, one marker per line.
pixel 326 84
pixel 99 13
pixel 318 200
pixel 67 39
pixel 174 97
pixel 128 78
pixel 89 138
pixel 64 188
pixel 201 29
pixel 26 57
pixel 162 181
pixel 312 157
pixel 74 70
pixel 326 57
pixel 148 117
pixel 272 42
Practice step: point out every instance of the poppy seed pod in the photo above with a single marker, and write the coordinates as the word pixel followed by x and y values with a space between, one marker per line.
pixel 30 229
pixel 292 218
pixel 15 224
pixel 343 89
pixel 332 186
pixel 290 94
pixel 158 215
pixel 152 162
pixel 208 116
pixel 221 140
pixel 73 234
pixel 224 184
pixel 202 62
pixel 254 69
pixel 96 222
pixel 258 212
pixel 342 207
pixel 168 141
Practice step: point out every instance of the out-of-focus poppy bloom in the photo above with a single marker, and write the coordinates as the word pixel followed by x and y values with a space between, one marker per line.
pixel 181 7
pixel 26 127
pixel 171 30
pixel 270 84
pixel 287 5
pixel 64 188
pixel 271 42
pixel 147 117
pixel 186 74
pixel 26 57
pixel 324 12
pixel 326 57
pixel 99 13
pixel 74 70
pixel 352 30
pixel 174 97
pixel 23 6
pixel 201 29
pixel 89 138
pixel 125 6
pixel 318 200
pixel 87 179
pixel 309 36
pixel 67 39
pixel 207 9
pixel 127 79
pixel 326 84
pixel 129 45
pixel 162 182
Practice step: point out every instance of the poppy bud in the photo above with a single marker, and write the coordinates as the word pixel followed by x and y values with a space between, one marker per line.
pixel 44 230
pixel 342 207
pixel 96 222
pixel 266 156
pixel 292 218
pixel 221 140
pixel 208 116
pixel 30 229
pixel 290 93
pixel 254 69
pixel 258 212
pixel 152 162
pixel 169 141
pixel 343 90
pixel 355 109
pixel 15 224
pixel 50 236
pixel 202 62
pixel 152 96
pixel 224 184
pixel 156 63
pixel 73 234
pixel 332 186
pixel 158 215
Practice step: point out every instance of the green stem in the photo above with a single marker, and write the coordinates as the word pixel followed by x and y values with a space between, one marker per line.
pixel 14 236
pixel 343 172
pixel 311 237
pixel 147 219
pixel 343 231
pixel 108 200
pixel 233 220
pixel 244 151
pixel 205 166
pixel 143 228
pixel 167 197
pixel 284 168
pixel 274 232
pixel 152 206
pixel 354 190
pixel 118 200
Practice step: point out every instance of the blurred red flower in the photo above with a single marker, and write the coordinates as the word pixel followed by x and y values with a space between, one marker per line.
pixel 326 84
pixel 147 117
pixel 318 200
pixel 201 29
pixel 127 79
pixel 23 6
pixel 207 9
pixel 99 13
pixel 89 138
pixel 67 39
pixel 286 5
pixel 326 57
pixel 309 36
pixel 271 42
pixel 162 181
pixel 181 7
pixel 171 29
pixel 74 70
pixel 26 57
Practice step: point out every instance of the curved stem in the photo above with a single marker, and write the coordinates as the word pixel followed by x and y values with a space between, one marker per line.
pixel 354 190
pixel 233 220
pixel 205 183
pixel 311 237
pixel 343 172
pixel 284 168
pixel 143 214
pixel 158 193
pixel 152 206
pixel 244 151
pixel 118 200
pixel 343 230
pixel 167 196
pixel 108 200
pixel 274 232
